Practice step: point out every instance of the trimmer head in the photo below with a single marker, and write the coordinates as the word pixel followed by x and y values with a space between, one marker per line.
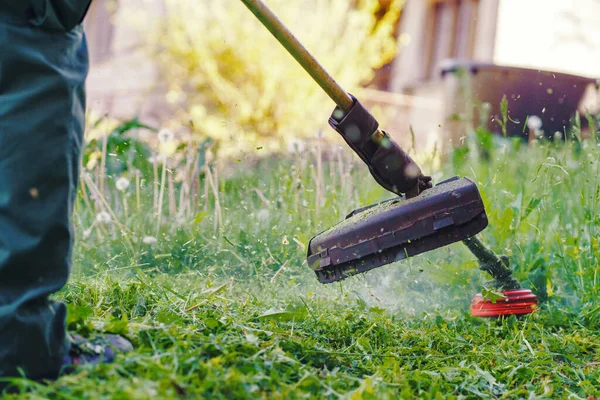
pixel 397 229
pixel 515 302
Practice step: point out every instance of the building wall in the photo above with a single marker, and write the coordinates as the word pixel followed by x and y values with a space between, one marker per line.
pixel 432 31
pixel 555 35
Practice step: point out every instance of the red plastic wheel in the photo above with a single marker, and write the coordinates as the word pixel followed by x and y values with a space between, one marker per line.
pixel 516 302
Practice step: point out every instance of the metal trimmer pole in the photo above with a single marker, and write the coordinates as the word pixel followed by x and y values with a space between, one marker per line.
pixel 300 53
pixel 304 58
pixel 516 301
pixel 490 262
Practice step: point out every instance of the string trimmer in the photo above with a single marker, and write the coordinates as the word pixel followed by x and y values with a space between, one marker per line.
pixel 421 218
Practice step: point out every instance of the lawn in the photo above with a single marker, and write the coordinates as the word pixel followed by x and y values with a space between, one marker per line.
pixel 215 294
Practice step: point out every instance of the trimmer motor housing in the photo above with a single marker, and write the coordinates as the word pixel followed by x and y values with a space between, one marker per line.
pixel 396 229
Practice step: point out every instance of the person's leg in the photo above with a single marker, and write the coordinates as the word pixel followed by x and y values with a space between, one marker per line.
pixel 42 107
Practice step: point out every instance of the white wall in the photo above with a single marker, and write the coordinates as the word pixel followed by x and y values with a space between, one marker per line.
pixel 557 35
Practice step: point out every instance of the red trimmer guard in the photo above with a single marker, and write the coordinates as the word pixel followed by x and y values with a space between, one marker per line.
pixel 516 302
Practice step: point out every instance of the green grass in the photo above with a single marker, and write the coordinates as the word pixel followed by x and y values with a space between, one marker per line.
pixel 213 315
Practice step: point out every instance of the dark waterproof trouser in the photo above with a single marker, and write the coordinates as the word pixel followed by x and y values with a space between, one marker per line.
pixel 43 66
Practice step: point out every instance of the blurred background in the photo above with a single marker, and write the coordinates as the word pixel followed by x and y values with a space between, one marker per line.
pixel 438 67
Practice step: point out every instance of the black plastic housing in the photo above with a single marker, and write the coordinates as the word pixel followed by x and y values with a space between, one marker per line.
pixel 397 229
pixel 391 166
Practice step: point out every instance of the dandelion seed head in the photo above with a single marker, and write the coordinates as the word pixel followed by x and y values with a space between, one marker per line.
pixel 534 122
pixel 156 159
pixel 262 214
pixel 574 165
pixel 557 135
pixel 296 146
pixel 149 240
pixel 122 184
pixel 103 218
pixel 165 136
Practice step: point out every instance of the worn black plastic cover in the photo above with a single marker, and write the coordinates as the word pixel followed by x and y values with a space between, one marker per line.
pixel 398 228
